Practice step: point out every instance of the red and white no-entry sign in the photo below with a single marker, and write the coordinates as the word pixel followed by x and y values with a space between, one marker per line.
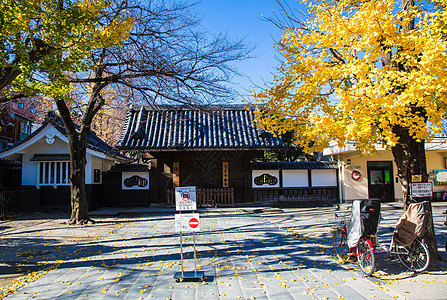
pixel 193 223
pixel 187 222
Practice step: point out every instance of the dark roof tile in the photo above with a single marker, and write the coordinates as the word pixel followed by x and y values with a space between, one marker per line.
pixel 94 142
pixel 296 165
pixel 182 127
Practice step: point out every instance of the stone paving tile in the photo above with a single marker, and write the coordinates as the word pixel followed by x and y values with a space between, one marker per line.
pixel 244 256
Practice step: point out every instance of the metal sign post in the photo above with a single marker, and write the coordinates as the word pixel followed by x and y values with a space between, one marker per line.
pixel 185 198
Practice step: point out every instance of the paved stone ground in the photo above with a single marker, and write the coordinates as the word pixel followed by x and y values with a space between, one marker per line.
pixel 245 254
pixel 26 238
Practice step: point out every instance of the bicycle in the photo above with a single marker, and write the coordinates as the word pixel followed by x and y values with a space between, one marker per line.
pixel 364 250
pixel 339 238
pixel 414 257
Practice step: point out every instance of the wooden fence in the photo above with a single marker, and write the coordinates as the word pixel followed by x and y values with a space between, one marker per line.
pixel 9 203
pixel 208 197
pixel 294 195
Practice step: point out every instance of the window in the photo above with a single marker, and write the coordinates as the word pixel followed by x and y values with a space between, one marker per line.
pixel 32 110
pixel 20 105
pixel 54 173
pixel 96 175
pixel 25 128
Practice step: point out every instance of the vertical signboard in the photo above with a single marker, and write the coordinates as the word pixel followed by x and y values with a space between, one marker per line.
pixel 185 198
pixel 175 174
pixel 225 182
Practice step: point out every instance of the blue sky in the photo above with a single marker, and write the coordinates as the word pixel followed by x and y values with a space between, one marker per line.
pixel 243 19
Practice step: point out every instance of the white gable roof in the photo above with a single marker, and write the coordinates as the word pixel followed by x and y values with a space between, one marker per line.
pixel 47 134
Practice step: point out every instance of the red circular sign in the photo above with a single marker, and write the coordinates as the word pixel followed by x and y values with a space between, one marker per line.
pixel 356 175
pixel 185 196
pixel 193 223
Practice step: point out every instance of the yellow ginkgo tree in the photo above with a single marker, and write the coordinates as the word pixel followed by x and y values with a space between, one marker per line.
pixel 370 72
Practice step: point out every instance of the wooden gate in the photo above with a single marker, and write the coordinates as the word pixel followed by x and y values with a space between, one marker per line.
pixel 208 197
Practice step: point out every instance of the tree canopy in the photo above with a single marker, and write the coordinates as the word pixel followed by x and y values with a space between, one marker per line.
pixel 39 40
pixel 367 72
pixel 354 70
pixel 83 54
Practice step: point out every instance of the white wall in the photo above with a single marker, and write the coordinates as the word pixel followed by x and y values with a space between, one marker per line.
pixel 298 178
pixel 326 177
pixel 94 162
pixel 295 178
pixel 29 168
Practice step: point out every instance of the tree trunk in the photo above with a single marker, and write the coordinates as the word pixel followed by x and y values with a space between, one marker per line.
pixel 410 159
pixel 77 143
pixel 79 203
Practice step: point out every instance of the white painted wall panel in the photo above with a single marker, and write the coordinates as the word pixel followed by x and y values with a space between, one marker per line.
pixel 295 178
pixel 324 177
pixel 29 168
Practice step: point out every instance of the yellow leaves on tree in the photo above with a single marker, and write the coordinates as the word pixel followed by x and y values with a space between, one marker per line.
pixel 56 37
pixel 342 77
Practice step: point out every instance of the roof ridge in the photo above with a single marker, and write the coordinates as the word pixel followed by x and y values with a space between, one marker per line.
pixel 204 108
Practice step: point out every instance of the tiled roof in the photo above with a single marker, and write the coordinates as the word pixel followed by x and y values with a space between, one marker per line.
pixel 296 165
pixel 94 142
pixel 180 127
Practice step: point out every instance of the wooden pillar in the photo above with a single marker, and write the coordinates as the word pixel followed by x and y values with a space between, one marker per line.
pixel 153 177
pixel 248 190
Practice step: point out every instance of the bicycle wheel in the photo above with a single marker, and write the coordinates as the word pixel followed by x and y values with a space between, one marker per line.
pixel 340 246
pixel 418 257
pixel 366 258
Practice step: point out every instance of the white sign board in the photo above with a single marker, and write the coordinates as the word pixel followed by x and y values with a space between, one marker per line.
pixel 421 189
pixel 187 222
pixel 185 198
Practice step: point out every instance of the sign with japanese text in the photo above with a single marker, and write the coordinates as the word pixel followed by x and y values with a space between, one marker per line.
pixel 421 189
pixel 175 174
pixel 225 174
pixel 187 222
pixel 185 198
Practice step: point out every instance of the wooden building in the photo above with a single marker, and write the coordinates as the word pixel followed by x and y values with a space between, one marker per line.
pixel 208 147
pixel 45 159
